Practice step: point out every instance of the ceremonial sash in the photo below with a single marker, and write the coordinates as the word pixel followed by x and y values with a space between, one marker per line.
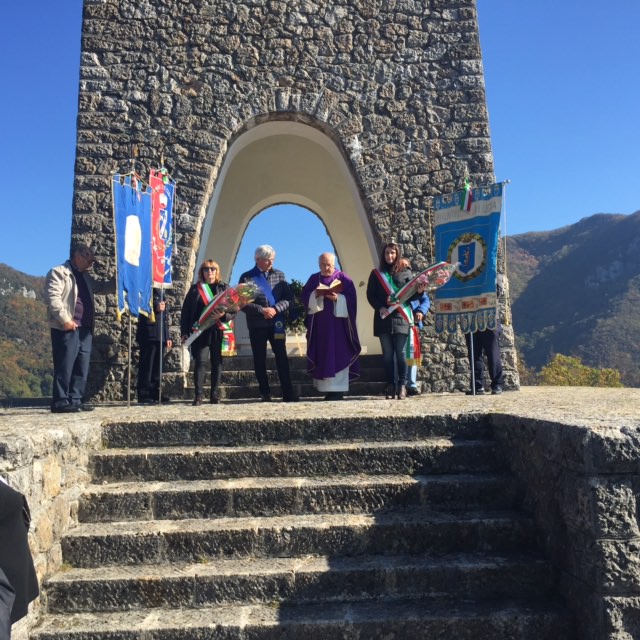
pixel 412 348
pixel 263 284
pixel 391 288
pixel 207 297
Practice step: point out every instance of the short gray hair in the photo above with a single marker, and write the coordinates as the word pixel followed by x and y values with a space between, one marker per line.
pixel 329 255
pixel 264 251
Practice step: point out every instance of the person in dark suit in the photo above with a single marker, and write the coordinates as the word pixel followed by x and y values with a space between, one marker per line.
pixel 16 562
pixel 266 322
pixel 152 335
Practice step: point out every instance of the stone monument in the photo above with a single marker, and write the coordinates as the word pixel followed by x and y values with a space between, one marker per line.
pixel 358 110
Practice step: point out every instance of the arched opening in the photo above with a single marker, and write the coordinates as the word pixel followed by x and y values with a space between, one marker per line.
pixel 288 162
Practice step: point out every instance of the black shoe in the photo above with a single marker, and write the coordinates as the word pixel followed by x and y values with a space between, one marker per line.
pixel 265 397
pixel 197 401
pixel 479 392
pixel 291 399
pixel 334 395
pixel 214 399
pixel 390 392
pixel 66 408
pixel 412 391
pixel 497 390
pixel 85 407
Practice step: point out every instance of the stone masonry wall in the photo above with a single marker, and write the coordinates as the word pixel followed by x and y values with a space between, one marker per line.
pixel 398 85
pixel 582 484
pixel 46 460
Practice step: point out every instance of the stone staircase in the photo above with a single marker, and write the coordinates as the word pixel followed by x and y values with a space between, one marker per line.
pixel 302 529
pixel 239 381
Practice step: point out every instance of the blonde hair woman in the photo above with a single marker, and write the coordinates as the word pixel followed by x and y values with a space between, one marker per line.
pixel 209 344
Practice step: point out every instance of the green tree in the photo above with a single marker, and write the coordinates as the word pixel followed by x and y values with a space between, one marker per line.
pixel 568 371
pixel 295 320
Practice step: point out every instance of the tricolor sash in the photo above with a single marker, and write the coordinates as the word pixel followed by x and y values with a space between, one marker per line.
pixel 209 299
pixel 413 354
pixel 390 287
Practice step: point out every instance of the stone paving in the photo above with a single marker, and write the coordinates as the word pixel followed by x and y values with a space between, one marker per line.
pixel 579 406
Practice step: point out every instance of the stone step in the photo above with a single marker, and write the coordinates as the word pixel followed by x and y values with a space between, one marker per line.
pixel 199 431
pixel 304 390
pixel 433 455
pixel 248 377
pixel 382 619
pixel 296 363
pixel 247 497
pixel 479 576
pixel 405 531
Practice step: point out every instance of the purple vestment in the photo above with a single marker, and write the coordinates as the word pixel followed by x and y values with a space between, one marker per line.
pixel 332 343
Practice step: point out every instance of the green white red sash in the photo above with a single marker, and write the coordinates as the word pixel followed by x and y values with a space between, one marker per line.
pixel 208 297
pixel 413 354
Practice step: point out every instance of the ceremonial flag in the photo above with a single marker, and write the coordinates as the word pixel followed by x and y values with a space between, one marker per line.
pixel 132 219
pixel 468 238
pixel 163 192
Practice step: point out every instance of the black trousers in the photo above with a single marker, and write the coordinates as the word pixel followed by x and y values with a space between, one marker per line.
pixel 148 385
pixel 485 342
pixel 259 338
pixel 202 354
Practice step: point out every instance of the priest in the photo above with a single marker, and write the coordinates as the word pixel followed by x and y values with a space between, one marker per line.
pixel 329 297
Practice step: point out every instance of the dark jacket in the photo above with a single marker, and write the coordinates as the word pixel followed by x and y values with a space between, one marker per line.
pixel 149 330
pixel 377 297
pixel 192 307
pixel 281 292
pixel 15 557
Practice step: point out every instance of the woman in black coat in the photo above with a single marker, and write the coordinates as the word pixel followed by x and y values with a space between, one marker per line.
pixel 393 330
pixel 208 345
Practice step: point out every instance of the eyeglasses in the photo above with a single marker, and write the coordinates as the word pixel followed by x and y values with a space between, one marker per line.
pixel 209 269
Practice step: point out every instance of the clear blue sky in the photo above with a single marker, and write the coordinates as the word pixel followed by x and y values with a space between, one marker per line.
pixel 563 102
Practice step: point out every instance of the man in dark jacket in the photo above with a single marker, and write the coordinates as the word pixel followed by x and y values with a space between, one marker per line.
pixel 266 321
pixel 152 335
pixel 16 562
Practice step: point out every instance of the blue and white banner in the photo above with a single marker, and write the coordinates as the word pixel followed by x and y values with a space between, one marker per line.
pixel 467 225
pixel 132 218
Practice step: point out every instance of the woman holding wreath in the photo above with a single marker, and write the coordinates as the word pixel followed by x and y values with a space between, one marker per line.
pixel 208 345
pixel 392 328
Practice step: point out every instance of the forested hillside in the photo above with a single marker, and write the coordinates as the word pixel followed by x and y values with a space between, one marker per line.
pixel 576 291
pixel 25 349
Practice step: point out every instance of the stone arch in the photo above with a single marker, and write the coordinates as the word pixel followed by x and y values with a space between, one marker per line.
pixel 290 162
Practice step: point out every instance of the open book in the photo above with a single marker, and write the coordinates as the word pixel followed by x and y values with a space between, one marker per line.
pixel 334 287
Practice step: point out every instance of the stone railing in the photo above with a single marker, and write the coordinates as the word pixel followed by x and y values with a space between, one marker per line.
pixel 582 485
pixel 46 458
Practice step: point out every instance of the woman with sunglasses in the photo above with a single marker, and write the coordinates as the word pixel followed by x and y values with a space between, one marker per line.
pixel 209 344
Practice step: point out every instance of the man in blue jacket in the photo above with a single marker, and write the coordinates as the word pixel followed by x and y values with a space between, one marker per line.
pixel 266 321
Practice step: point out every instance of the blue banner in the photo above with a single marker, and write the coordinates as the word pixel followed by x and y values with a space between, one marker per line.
pixel 132 219
pixel 467 225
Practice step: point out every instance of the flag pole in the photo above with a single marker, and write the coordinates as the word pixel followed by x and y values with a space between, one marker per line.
pixel 473 365
pixel 129 366
pixel 161 350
